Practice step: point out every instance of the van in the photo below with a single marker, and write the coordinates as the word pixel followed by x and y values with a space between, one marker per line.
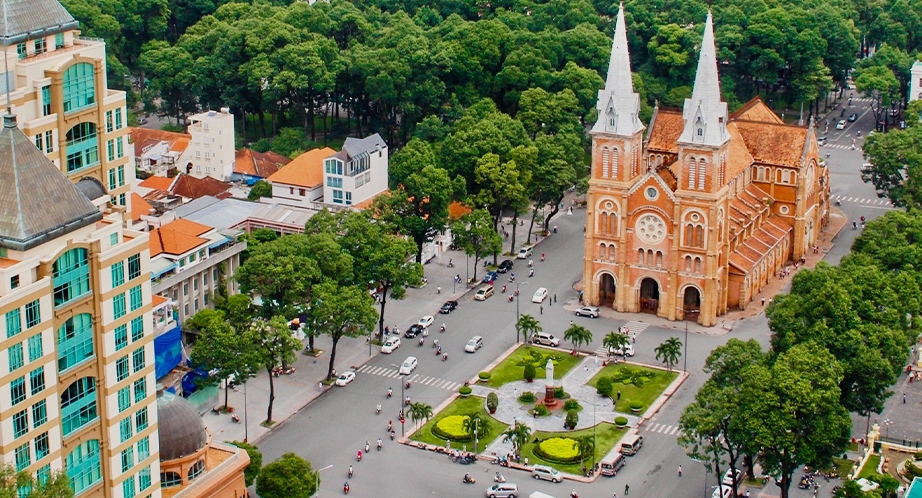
pixel 630 444
pixel 503 490
pixel 610 466
pixel 545 339
pixel 484 292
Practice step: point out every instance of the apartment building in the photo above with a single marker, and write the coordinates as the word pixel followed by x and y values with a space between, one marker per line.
pixel 211 151
pixel 357 173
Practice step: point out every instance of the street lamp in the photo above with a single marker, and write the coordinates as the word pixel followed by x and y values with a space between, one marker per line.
pixel 517 305
pixel 475 435
pixel 318 478
pixel 403 384
pixel 246 433
pixel 887 424
pixel 685 354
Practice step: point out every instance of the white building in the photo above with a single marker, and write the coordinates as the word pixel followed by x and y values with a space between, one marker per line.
pixel 915 81
pixel 211 151
pixel 300 182
pixel 357 173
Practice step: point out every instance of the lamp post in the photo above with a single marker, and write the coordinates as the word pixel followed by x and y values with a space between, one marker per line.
pixel 246 433
pixel 685 354
pixel 318 478
pixel 475 435
pixel 517 303
pixel 887 424
pixel 403 384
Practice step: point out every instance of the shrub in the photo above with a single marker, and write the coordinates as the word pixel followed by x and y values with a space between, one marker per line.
pixel 452 428
pixel 621 421
pixel 572 419
pixel 484 376
pixel 465 390
pixel 542 410
pixel 559 393
pixel 527 397
pixel 529 373
pixel 492 401
pixel 603 386
pixel 558 449
pixel 912 470
pixel 635 405
pixel 917 455
pixel 571 404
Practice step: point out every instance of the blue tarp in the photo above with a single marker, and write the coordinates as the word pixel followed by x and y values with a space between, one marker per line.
pixel 188 381
pixel 168 350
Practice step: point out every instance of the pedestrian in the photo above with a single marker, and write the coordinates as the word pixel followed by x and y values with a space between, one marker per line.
pixel 770 300
pixel 680 471
pixel 587 369
pixel 555 298
pixel 634 338
pixel 542 309
pixel 904 398
pixel 438 289
pixel 615 495
pixel 763 300
pixel 526 461
pixel 619 395
pixel 320 386
pixel 626 489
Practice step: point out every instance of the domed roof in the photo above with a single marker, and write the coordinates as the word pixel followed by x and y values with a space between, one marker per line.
pixel 182 432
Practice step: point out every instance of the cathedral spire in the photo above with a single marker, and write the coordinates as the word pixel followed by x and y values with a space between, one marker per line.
pixel 618 104
pixel 704 113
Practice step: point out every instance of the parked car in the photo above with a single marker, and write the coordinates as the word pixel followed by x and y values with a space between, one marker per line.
pixel 728 477
pixel 852 117
pixel 483 293
pixel 540 295
pixel 408 366
pixel 505 266
pixel 448 307
pixel 627 350
pixel 821 141
pixel 722 492
pixel 503 490
pixel 413 331
pixel 425 321
pixel 840 125
pixel 474 344
pixel 545 339
pixel 490 277
pixel 546 473
pixel 391 344
pixel 590 311
pixel 345 378
pixel 524 253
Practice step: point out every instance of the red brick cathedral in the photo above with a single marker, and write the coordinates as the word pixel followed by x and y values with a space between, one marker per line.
pixel 691 216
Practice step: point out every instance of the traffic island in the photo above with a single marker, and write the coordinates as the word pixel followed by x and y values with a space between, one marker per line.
pixel 451 428
pixel 634 387
pixel 513 367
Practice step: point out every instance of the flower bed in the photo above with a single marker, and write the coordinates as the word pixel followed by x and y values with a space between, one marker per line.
pixel 452 428
pixel 558 450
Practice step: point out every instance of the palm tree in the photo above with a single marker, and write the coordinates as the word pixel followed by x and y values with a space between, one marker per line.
pixel 578 335
pixel 517 435
pixel 615 341
pixel 669 352
pixel 420 411
pixel 584 444
pixel 527 325
pixel 477 421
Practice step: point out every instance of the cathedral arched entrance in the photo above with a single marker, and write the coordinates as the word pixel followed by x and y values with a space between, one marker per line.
pixel 649 296
pixel 607 290
pixel 691 303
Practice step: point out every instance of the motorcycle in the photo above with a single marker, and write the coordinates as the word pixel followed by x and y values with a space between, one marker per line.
pixel 422 340
pixel 445 357
pixel 380 444
pixel 390 393
pixel 573 494
pixel 393 435
pixel 442 328
pixel 350 472
pixel 367 446
pixel 438 351
pixel 346 488
pixel 838 202
pixel 407 386
pixel 358 456
pixel 499 478
pixel 235 418
pixel 467 479
pixel 378 409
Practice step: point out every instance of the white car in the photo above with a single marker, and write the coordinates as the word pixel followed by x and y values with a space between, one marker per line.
pixel 722 492
pixel 728 477
pixel 345 378
pixel 841 124
pixel 524 253
pixel 390 345
pixel 590 311
pixel 425 321
pixel 408 365
pixel 540 295
pixel 626 351
pixel 474 344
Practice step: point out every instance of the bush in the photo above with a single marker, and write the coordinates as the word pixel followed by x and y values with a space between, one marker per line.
pixel 452 428
pixel 542 410
pixel 558 450
pixel 603 386
pixel 571 404
pixel 492 401
pixel 256 461
pixel 635 405
pixel 912 470
pixel 917 455
pixel 559 393
pixel 465 390
pixel 484 376
pixel 572 419
pixel 527 397
pixel 529 373
pixel 621 421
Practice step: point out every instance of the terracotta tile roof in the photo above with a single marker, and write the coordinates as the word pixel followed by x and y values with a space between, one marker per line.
pixel 187 227
pixel 144 137
pixel 193 188
pixel 139 207
pixel 756 110
pixel 770 143
pixel 157 183
pixel 177 237
pixel 368 202
pixel 456 210
pixel 157 300
pixel 665 130
pixel 305 170
pixel 754 248
pixel 262 164
pixel 739 157
pixel 745 207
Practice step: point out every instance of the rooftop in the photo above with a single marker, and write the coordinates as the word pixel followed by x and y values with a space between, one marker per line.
pixel 20 18
pixel 305 170
pixel 177 237
pixel 260 164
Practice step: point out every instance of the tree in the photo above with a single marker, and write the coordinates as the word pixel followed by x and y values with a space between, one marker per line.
pixel 474 421
pixel 895 165
pixel 341 312
pixel 529 372
pixel 275 346
pixel 281 273
pixel 288 477
pixel 13 483
pixel 604 386
pixel 526 326
pixel 584 445
pixel 260 189
pixel 518 435
pixel 615 341
pixel 222 349
pixel 419 412
pixel 256 461
pixel 669 352
pixel 417 155
pixel 880 84
pixel 578 335
pixel 476 235
pixel 572 419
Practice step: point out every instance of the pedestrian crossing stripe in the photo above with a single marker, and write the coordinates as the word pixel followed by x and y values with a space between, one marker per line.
pixel 863 200
pixel 669 430
pixel 633 328
pixel 425 380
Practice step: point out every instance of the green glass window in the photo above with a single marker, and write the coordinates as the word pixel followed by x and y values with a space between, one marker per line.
pixel 140 390
pixel 23 457
pixel 84 466
pixel 137 360
pixel 198 468
pixel 18 390
pixel 125 429
pixel 144 478
pixel 134 266
pixel 113 239
pixel 143 448
pixel 38 141
pixel 128 489
pixel 78 405
pixel 21 50
pixel 33 313
pixel 35 347
pixel 135 297
pixel 120 152
pixel 13 322
pixel 170 479
pixel 39 414
pixel 79 86
pixel 109 122
pixel 41 446
pixel 118 118
pixel 75 341
pixel 49 142
pixel 46 100
pixel 21 423
pixel 37 380
pixel 71 276
pixel 140 420
pixel 39 46
pixel 121 368
pixel 110 151
pixel 43 474
pixel 124 399
pixel 121 337
pixel 127 459
pixel 59 40
pixel 118 306
pixel 82 147
pixel 137 329
pixel 15 356
pixel 118 274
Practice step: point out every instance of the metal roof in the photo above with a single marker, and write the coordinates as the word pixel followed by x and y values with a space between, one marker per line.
pixel 356 146
pixel 24 19
pixel 222 214
pixel 37 203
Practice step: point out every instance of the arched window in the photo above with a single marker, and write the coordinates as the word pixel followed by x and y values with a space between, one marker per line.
pixel 701 174
pixel 640 254
pixel 688 263
pixel 84 466
pixel 75 341
pixel 82 147
pixel 79 86
pixel 659 258
pixel 78 405
pixel 603 223
pixel 690 235
pixel 170 479
pixel 697 265
pixel 699 236
pixel 601 251
pixel 614 163
pixel 650 259
pixel 692 169
pixel 197 469
pixel 605 159
pixel 611 252
pixel 71 276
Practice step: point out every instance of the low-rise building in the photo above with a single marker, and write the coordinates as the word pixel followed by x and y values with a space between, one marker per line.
pixel 357 173
pixel 211 152
pixel 251 166
pixel 300 182
pixel 915 81
pixel 156 151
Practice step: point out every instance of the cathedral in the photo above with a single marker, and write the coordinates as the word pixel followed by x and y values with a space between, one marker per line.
pixel 690 216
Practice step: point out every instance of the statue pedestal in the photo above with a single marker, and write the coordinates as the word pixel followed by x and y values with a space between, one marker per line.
pixel 549 400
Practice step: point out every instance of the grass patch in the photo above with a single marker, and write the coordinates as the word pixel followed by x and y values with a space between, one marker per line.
pixel 842 466
pixel 606 436
pixel 758 482
pixel 655 382
pixel 869 469
pixel 267 423
pixel 511 369
pixel 461 406
pixel 312 352
pixel 852 447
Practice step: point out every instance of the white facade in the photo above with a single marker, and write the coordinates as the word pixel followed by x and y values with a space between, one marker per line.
pixel 295 195
pixel 915 81
pixel 211 148
pixel 357 173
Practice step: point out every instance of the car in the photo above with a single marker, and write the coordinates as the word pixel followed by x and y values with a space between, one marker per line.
pixel 503 490
pixel 408 366
pixel 505 266
pixel 540 295
pixel 545 339
pixel 490 277
pixel 474 344
pixel 483 293
pixel 524 253
pixel 722 492
pixel 426 321
pixel 392 343
pixel 852 117
pixel 628 350
pixel 546 473
pixel 840 125
pixel 821 141
pixel 728 477
pixel 590 311
pixel 345 378
pixel 894 112
pixel 448 307
pixel 413 331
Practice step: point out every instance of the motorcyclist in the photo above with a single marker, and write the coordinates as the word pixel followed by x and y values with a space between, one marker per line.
pixel 442 328
pixel 367 446
pixel 378 409
pixel 390 425
pixel 390 392
pixel 351 471
pixel 380 443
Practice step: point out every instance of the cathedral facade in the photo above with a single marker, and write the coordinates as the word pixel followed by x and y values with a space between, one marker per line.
pixel 690 217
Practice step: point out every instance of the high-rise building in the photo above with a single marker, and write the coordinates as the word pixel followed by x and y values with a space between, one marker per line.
pixel 77 385
pixel 56 82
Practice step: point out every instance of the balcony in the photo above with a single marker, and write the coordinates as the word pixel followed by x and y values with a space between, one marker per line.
pixel 164 314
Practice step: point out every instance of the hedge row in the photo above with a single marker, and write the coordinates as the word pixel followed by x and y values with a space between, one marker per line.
pixel 558 450
pixel 452 428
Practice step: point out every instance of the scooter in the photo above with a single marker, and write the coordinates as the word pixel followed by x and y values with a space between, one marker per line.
pixel 445 357
pixel 468 479
pixel 380 444
pixel 435 343
pixel 838 202
pixel 358 456
pixel 235 418
pixel 442 328
pixel 438 351
pixel 390 425
pixel 393 434
pixel 390 393
pixel 367 446
pixel 350 472
pixel 378 409
pixel 499 478
pixel 346 488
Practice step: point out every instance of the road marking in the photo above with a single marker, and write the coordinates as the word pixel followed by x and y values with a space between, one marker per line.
pixel 669 430
pixel 416 378
pixel 884 203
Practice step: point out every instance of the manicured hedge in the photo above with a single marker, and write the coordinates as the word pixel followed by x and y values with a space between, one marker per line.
pixel 484 376
pixel 452 428
pixel 527 397
pixel 558 450
pixel 621 421
pixel 465 390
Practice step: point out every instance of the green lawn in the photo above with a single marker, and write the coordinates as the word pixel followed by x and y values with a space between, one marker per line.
pixel 461 406
pixel 870 468
pixel 511 368
pixel 606 436
pixel 652 388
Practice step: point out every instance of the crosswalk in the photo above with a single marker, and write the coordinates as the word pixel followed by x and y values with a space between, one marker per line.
pixel 425 380
pixel 669 430
pixel 863 200
pixel 839 146
pixel 633 327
